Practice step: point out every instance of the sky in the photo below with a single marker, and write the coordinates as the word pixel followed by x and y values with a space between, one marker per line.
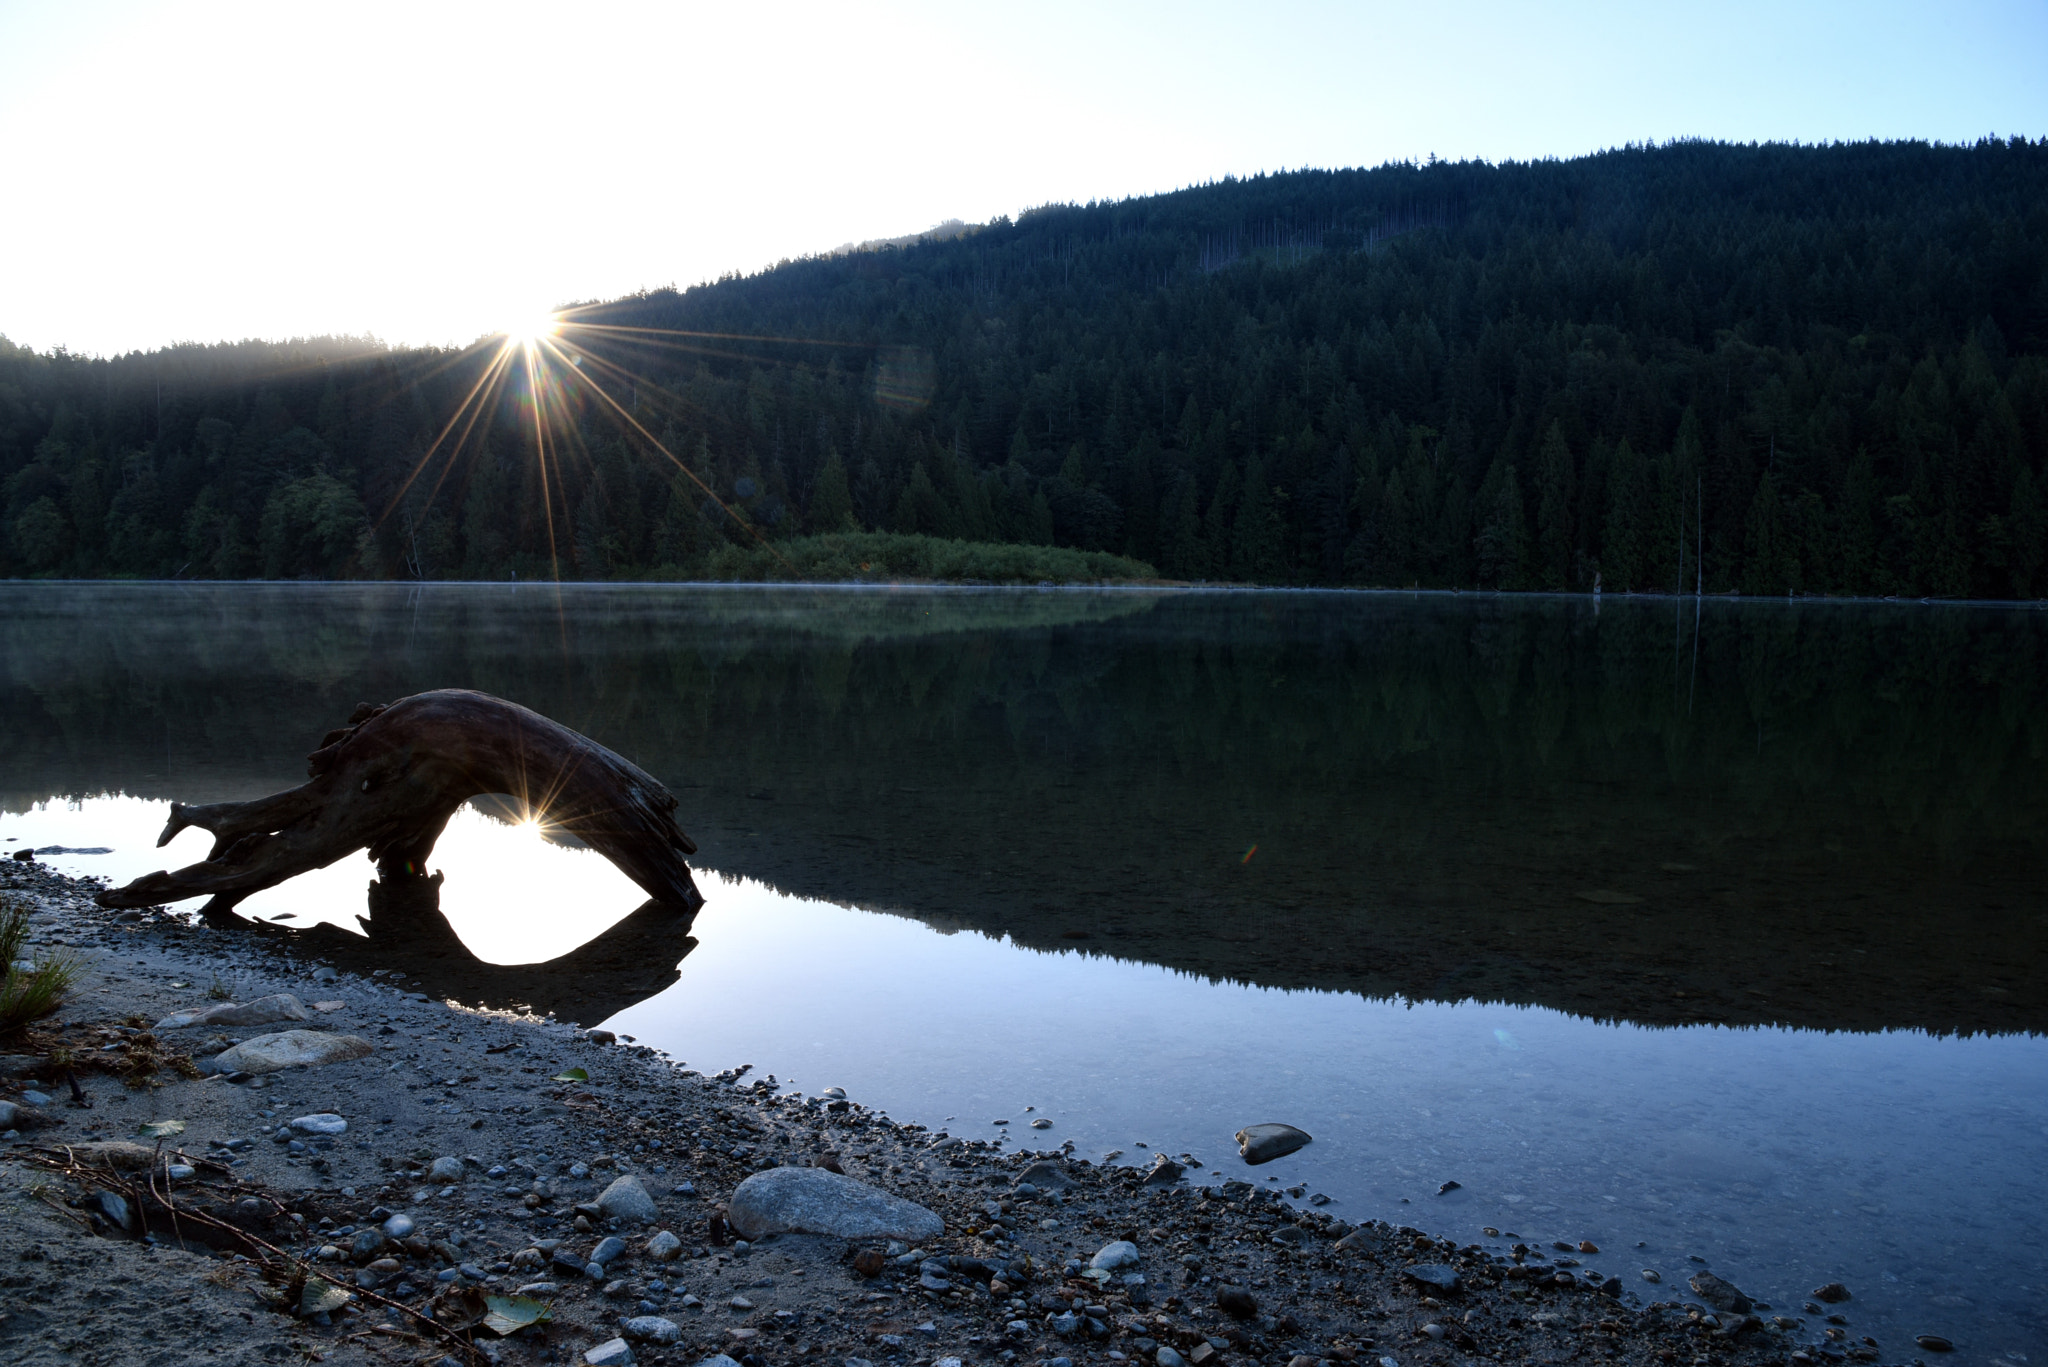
pixel 430 173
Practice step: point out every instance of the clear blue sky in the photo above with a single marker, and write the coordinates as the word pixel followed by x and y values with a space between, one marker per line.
pixel 432 172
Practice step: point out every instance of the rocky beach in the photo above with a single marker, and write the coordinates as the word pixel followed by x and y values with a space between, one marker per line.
pixel 224 1149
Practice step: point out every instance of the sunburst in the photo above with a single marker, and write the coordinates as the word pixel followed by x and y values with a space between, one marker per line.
pixel 548 362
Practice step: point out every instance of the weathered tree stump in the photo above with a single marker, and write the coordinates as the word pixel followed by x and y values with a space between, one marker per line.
pixel 388 782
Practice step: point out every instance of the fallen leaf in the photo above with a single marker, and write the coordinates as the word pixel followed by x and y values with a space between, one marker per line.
pixel 321 1297
pixel 161 1129
pixel 509 1314
pixel 573 1075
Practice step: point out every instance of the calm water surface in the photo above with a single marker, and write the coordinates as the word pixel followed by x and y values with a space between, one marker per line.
pixel 1706 931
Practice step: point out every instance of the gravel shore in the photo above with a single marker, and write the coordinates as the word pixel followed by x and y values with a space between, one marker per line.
pixel 465 1159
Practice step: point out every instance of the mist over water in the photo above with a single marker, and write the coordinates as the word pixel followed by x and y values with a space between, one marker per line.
pixel 1717 929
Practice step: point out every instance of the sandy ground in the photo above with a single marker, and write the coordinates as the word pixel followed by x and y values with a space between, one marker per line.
pixel 1228 1275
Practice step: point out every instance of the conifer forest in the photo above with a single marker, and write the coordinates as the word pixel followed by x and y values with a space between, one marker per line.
pixel 1762 369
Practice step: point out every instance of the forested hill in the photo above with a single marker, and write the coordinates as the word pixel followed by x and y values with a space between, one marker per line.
pixel 1815 369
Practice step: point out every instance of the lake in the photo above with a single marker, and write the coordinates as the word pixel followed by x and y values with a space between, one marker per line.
pixel 1702 930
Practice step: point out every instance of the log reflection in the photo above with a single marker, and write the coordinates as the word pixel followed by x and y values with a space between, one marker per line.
pixel 406 930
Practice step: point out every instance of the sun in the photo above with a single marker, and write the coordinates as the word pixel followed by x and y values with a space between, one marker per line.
pixel 528 332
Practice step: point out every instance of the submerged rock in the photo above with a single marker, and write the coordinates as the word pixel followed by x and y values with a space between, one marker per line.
pixel 814 1201
pixel 1719 1293
pixel 1264 1143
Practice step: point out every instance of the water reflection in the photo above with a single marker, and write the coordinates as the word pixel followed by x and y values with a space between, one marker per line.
pixel 625 964
pixel 1826 816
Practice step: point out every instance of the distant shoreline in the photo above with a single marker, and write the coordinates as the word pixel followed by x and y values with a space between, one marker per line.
pixel 1125 585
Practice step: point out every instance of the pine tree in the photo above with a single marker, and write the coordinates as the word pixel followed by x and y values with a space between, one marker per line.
pixel 1555 497
pixel 831 508
pixel 1501 546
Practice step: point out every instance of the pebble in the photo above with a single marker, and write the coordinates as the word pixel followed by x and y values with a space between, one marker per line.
pixel 33 1097
pixel 1834 1293
pixel 1121 1253
pixel 280 1006
pixel 721 1360
pixel 1258 1144
pixel 610 1353
pixel 114 1207
pixel 320 1122
pixel 653 1329
pixel 1041 1124
pixel 664 1247
pixel 446 1169
pixel 817 1201
pixel 627 1199
pixel 9 1115
pixel 291 1049
pixel 1237 1302
pixel 600 1036
pixel 1720 1293
pixel 608 1248
pixel 398 1226
pixel 1166 1357
pixel 1651 1274
pixel 1436 1276
pixel 1934 1343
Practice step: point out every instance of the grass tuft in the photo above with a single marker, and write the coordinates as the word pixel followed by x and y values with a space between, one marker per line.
pixel 34 989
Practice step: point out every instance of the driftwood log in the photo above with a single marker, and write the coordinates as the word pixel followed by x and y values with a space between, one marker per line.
pixel 388 782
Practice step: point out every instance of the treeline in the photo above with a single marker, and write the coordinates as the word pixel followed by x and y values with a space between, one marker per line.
pixel 1769 369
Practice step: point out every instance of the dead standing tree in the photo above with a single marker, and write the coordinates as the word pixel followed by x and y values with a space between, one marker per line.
pixel 388 782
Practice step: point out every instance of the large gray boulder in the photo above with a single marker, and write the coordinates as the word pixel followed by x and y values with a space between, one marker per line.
pixel 817 1201
pixel 291 1049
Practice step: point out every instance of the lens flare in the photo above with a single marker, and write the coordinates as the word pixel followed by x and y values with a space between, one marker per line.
pixel 543 369
pixel 530 332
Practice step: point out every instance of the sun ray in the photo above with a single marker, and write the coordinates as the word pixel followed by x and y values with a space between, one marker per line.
pixel 477 411
pixel 651 440
pixel 469 400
